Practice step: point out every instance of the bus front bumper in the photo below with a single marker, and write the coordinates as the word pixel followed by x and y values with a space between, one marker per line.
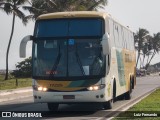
pixel 70 97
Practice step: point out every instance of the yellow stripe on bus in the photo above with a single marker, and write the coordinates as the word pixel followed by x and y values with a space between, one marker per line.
pixel 58 85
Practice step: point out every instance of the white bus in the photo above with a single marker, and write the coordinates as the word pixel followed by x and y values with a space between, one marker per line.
pixel 81 57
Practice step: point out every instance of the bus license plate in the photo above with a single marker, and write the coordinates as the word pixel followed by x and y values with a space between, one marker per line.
pixel 68 97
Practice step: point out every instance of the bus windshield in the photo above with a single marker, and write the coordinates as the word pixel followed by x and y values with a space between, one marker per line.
pixel 68 48
pixel 68 58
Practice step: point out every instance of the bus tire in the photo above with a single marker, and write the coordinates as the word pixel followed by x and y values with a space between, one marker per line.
pixel 114 91
pixel 127 95
pixel 133 83
pixel 53 106
pixel 109 104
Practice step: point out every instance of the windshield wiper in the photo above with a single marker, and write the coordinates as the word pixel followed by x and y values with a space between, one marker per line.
pixel 79 62
pixel 57 61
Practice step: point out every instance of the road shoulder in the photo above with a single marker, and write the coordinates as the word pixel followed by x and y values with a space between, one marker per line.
pixel 12 94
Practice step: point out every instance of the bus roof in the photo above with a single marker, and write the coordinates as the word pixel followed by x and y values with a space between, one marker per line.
pixel 73 14
pixel 78 14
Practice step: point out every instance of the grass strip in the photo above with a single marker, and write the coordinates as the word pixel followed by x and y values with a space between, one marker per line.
pixel 146 109
pixel 13 83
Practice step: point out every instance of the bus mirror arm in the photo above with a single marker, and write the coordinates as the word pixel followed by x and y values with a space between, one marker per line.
pixel 22 50
pixel 105 44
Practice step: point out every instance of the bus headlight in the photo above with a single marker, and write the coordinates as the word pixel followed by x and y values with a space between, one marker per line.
pixel 42 89
pixel 96 87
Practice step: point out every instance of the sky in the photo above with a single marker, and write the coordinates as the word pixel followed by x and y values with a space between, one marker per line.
pixel 133 13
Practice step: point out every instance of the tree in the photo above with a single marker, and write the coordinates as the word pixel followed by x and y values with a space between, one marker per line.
pixel 140 41
pixel 38 7
pixel 146 45
pixel 12 7
pixel 23 69
pixel 155 45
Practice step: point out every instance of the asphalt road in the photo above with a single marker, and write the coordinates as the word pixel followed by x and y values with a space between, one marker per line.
pixel 83 112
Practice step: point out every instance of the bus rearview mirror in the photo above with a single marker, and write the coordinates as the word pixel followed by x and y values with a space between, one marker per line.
pixel 105 44
pixel 22 50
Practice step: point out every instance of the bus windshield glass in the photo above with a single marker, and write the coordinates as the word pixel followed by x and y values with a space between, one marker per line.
pixel 69 27
pixel 68 48
pixel 68 58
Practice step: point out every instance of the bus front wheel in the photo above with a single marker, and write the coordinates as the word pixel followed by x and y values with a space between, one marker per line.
pixel 52 106
pixel 109 104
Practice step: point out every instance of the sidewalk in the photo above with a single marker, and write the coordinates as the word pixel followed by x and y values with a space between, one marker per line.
pixel 12 94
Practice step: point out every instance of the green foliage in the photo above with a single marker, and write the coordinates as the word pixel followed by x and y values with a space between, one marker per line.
pixel 23 69
pixel 14 7
pixel 38 7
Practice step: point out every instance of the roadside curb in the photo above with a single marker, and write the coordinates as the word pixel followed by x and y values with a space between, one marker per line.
pixel 7 95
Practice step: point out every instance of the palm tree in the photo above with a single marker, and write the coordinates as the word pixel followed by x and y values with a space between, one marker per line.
pixel 12 7
pixel 150 49
pixel 140 41
pixel 155 47
pixel 98 4
pixel 38 7
pixel 144 52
